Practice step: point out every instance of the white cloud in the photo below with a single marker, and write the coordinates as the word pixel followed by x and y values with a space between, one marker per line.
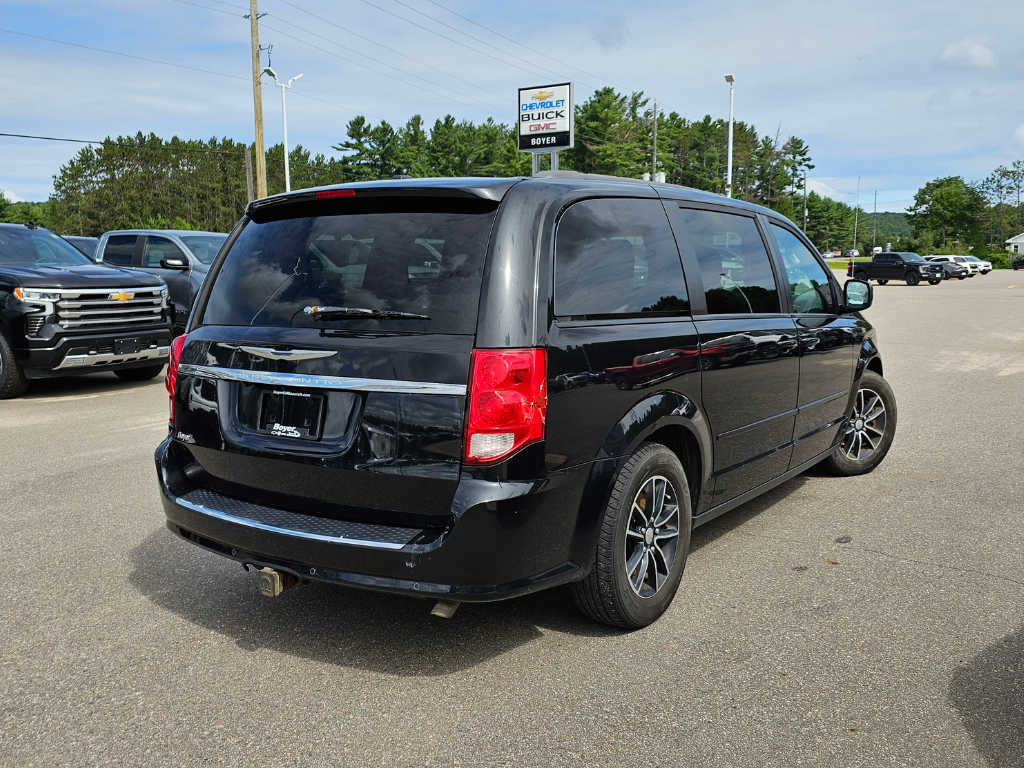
pixel 612 34
pixel 1018 137
pixel 10 196
pixel 969 52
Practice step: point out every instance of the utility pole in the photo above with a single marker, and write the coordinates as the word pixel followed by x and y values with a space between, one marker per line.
pixel 805 202
pixel 856 211
pixel 248 176
pixel 728 173
pixel 654 151
pixel 874 221
pixel 257 100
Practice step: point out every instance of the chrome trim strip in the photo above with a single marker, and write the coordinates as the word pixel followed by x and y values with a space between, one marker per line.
pixel 284 531
pixel 287 354
pixel 324 382
pixel 87 361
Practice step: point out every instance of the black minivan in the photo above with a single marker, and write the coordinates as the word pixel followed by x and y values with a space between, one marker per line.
pixel 472 389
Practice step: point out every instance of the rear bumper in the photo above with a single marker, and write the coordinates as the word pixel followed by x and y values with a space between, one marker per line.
pixel 70 355
pixel 504 540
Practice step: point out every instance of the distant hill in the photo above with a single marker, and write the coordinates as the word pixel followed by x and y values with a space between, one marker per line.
pixel 889 224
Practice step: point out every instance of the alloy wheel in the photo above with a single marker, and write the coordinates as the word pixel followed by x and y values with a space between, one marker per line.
pixel 866 428
pixel 652 536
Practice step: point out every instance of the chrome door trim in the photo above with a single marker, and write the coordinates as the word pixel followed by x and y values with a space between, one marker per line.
pixel 350 384
pixel 287 354
pixel 284 531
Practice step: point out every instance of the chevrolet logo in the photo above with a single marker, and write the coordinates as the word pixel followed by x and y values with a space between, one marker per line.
pixel 122 296
pixel 542 95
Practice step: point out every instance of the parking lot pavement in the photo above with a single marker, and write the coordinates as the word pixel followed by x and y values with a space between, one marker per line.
pixel 837 622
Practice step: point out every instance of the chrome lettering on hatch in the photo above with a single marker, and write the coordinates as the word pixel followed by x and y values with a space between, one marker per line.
pixel 185 437
pixel 280 430
pixel 290 394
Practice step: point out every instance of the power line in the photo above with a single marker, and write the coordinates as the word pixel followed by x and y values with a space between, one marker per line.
pixel 109 142
pixel 450 39
pixel 390 50
pixel 515 42
pixel 125 55
pixel 206 7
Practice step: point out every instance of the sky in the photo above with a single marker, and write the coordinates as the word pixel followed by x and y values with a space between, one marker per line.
pixel 894 92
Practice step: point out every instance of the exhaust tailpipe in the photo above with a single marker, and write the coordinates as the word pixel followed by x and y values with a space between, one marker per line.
pixel 445 608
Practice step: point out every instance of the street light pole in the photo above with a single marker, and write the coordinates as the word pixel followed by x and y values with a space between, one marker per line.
pixel 284 121
pixel 728 173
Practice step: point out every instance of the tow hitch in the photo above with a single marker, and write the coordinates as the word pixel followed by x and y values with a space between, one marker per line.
pixel 273 583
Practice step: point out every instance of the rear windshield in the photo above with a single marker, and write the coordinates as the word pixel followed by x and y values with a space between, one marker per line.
pixel 423 257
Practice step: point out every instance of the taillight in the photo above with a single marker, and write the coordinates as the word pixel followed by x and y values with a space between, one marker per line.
pixel 508 402
pixel 171 377
pixel 325 194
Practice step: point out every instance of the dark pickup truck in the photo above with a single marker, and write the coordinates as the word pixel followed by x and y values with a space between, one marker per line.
pixel 61 314
pixel 897 266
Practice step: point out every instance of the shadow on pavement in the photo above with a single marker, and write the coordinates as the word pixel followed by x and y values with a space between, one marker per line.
pixel 86 384
pixel 337 625
pixel 720 526
pixel 988 692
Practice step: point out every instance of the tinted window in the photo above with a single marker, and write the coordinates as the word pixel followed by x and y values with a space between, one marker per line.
pixel 119 250
pixel 734 264
pixel 423 257
pixel 37 247
pixel 204 247
pixel 86 245
pixel 617 257
pixel 912 257
pixel 808 281
pixel 158 248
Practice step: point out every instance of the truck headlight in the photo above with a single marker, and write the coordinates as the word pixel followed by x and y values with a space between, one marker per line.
pixel 32 294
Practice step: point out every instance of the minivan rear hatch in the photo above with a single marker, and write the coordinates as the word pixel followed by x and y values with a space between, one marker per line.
pixel 328 360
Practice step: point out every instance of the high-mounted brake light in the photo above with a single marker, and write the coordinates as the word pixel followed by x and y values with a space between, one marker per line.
pixel 325 193
pixel 171 377
pixel 508 402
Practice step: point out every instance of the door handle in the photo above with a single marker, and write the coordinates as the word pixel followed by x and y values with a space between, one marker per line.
pixel 810 341
pixel 788 344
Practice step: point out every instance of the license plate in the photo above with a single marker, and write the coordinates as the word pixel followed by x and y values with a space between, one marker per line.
pixel 291 414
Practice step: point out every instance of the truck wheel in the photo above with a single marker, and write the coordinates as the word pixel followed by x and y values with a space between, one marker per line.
pixel 913 278
pixel 643 542
pixel 139 374
pixel 881 282
pixel 870 430
pixel 12 378
pixel 860 274
pixel 934 282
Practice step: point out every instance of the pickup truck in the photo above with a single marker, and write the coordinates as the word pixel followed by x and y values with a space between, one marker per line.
pixel 902 265
pixel 61 314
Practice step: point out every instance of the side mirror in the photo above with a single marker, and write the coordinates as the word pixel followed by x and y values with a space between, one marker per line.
pixel 173 264
pixel 858 295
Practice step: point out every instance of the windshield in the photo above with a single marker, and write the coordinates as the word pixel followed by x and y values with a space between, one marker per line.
pixel 423 257
pixel 38 248
pixel 204 247
pixel 973 258
pixel 912 257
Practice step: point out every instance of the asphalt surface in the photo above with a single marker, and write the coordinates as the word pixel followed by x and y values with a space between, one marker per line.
pixel 836 622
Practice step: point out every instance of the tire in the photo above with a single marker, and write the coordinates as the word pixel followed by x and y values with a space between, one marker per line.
pixel 860 274
pixel 970 274
pixel 881 282
pixel 139 374
pixel 912 278
pixel 850 458
pixel 608 594
pixel 961 277
pixel 934 282
pixel 12 376
pixel 623 383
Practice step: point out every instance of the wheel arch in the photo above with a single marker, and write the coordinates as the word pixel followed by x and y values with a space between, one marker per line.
pixel 667 417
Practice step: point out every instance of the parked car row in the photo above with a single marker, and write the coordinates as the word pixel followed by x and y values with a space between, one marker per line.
pixel 914 269
pixel 80 304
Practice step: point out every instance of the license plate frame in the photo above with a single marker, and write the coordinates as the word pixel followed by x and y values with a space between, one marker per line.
pixel 291 414
pixel 128 346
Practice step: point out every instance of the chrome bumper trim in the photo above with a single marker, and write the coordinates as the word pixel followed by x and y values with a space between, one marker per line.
pixel 89 361
pixel 324 382
pixel 283 531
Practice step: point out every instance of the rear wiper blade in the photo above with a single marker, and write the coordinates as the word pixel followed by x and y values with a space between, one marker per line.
pixel 332 313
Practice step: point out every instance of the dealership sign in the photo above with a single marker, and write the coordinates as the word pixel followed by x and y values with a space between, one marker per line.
pixel 546 118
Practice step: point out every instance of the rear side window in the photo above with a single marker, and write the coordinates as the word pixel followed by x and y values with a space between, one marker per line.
pixel 616 257
pixel 734 265
pixel 421 257
pixel 119 249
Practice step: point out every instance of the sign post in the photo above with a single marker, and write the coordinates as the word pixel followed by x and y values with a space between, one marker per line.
pixel 546 122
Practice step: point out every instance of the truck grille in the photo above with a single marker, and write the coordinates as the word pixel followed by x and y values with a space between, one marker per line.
pixel 101 308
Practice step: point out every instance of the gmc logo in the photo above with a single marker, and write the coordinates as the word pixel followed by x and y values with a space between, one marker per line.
pixel 544 126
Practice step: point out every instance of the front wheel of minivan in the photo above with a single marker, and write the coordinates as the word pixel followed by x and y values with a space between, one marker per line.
pixel 643 542
pixel 869 432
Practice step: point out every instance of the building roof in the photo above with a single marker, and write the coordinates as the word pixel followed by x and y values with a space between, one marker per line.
pixel 1017 238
